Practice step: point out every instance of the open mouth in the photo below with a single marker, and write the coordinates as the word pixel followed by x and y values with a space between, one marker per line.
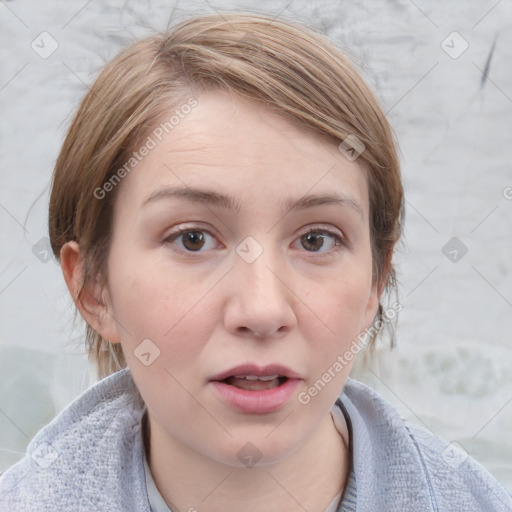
pixel 255 383
pixel 255 389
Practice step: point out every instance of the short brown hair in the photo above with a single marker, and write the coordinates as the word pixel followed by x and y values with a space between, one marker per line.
pixel 284 65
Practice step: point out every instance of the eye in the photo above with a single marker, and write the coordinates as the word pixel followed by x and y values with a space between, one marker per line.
pixel 190 240
pixel 196 240
pixel 321 240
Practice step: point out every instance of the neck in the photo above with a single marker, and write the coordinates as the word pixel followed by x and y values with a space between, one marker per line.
pixel 308 479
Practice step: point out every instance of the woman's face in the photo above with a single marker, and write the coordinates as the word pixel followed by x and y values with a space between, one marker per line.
pixel 241 247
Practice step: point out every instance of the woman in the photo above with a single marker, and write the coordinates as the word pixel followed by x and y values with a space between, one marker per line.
pixel 225 208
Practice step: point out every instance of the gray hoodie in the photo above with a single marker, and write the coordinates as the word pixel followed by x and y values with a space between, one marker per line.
pixel 91 458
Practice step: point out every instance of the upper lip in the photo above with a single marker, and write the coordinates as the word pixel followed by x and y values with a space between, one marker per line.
pixel 259 371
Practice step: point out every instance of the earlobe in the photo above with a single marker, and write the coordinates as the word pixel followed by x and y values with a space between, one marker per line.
pixel 89 297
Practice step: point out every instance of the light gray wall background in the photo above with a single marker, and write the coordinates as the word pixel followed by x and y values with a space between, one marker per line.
pixel 449 98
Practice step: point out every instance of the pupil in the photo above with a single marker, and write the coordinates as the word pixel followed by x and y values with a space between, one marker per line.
pixel 193 237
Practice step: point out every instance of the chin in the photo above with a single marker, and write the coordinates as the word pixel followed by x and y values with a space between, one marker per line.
pixel 254 451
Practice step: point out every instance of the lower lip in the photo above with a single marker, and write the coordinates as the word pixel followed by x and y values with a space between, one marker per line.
pixel 256 402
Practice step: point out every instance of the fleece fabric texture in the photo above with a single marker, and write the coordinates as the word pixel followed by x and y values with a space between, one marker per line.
pixel 91 458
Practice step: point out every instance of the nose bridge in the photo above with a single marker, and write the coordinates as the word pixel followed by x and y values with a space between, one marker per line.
pixel 259 299
pixel 258 268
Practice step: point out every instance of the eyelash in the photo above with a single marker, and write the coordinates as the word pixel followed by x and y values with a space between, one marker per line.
pixel 339 241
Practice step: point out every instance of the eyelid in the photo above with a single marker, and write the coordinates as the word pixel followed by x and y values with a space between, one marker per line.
pixel 324 227
pixel 185 228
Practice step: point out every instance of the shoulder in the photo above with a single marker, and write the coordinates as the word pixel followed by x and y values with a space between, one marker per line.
pixel 86 449
pixel 455 476
pixel 421 469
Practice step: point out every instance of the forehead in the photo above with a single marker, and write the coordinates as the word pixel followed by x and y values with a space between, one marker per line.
pixel 250 128
pixel 240 146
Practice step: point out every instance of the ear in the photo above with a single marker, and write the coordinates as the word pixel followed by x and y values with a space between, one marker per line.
pixel 375 294
pixel 385 273
pixel 89 298
pixel 372 306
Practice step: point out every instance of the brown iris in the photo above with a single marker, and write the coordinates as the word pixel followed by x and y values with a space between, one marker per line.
pixel 310 239
pixel 193 240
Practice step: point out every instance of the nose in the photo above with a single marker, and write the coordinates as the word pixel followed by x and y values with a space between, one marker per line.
pixel 259 298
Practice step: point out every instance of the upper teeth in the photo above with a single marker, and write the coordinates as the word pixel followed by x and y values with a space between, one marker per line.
pixel 256 377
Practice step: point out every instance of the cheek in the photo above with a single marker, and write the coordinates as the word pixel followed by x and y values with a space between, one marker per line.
pixel 150 303
pixel 341 305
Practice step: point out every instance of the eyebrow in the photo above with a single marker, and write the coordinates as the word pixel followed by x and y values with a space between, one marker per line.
pixel 214 198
